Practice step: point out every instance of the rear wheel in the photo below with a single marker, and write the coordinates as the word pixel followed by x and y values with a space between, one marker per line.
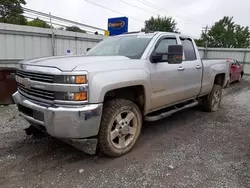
pixel 120 127
pixel 240 77
pixel 212 101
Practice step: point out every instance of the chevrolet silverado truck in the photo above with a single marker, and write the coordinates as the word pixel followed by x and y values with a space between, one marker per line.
pixel 98 101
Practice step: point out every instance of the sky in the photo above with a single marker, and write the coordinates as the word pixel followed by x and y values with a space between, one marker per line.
pixel 190 15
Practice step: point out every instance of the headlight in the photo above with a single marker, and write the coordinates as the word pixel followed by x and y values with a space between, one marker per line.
pixel 69 79
pixel 82 95
pixel 80 79
pixel 71 96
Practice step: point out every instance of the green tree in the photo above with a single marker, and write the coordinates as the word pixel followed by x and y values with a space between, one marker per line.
pixel 11 12
pixel 167 24
pixel 75 29
pixel 242 37
pixel 199 42
pixel 226 34
pixel 38 23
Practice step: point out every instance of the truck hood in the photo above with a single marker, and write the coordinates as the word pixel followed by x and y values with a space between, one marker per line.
pixel 88 63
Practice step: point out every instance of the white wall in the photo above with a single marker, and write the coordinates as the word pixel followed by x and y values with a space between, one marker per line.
pixel 240 54
pixel 24 42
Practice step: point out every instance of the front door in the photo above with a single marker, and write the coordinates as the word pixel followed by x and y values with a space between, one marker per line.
pixel 167 86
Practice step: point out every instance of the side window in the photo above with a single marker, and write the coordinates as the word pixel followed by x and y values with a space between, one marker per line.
pixel 236 62
pixel 188 49
pixel 163 45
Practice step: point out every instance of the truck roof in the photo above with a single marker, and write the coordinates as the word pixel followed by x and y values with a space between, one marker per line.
pixel 153 34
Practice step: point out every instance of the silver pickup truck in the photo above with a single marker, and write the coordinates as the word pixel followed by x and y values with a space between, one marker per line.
pixel 100 99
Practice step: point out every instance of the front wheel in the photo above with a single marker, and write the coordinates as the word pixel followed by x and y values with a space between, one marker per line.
pixel 120 127
pixel 212 101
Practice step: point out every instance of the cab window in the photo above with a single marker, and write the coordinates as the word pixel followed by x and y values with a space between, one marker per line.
pixel 188 48
pixel 163 45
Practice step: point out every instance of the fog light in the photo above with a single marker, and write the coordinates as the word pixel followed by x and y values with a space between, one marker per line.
pixel 81 96
pixel 71 96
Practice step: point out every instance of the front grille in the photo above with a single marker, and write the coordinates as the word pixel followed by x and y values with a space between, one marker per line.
pixel 39 93
pixel 36 76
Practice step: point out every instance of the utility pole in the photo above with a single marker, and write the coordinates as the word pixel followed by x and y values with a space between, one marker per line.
pixel 50 20
pixel 52 36
pixel 205 30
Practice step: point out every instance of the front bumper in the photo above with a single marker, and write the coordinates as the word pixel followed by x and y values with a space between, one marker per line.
pixel 62 122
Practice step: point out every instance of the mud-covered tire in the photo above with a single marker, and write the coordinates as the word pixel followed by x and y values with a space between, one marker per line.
pixel 214 95
pixel 241 76
pixel 112 109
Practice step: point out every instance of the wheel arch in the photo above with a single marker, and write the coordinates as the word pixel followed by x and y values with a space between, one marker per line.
pixel 135 93
pixel 220 79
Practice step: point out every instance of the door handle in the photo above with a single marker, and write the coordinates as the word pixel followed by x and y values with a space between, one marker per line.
pixel 198 67
pixel 181 69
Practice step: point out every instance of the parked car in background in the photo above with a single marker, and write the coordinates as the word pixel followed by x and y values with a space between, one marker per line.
pixel 236 70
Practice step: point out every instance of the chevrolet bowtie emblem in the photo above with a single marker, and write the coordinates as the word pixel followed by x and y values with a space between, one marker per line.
pixel 26 83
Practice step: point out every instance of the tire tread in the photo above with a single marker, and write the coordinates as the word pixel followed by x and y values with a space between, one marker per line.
pixel 109 109
pixel 207 101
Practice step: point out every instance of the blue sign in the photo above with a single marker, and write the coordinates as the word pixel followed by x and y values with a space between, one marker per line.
pixel 117 26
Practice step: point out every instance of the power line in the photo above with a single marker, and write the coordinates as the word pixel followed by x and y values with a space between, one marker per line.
pixel 48 21
pixel 156 7
pixel 166 11
pixel 138 7
pixel 51 22
pixel 114 11
pixel 27 10
pixel 44 17
pixel 62 19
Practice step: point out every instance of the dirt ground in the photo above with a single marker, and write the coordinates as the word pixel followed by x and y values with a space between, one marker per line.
pixel 189 149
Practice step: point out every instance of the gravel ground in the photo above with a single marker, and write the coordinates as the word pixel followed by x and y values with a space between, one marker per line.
pixel 189 149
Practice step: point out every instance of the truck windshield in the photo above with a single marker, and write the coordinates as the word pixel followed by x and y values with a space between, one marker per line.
pixel 131 46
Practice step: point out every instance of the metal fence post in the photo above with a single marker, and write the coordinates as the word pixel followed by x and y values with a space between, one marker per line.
pixel 52 36
pixel 53 43
pixel 244 58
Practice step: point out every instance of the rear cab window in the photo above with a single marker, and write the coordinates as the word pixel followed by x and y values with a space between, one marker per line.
pixel 188 48
pixel 236 63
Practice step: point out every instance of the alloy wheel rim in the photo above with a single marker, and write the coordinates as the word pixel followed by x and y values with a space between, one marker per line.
pixel 124 129
pixel 216 99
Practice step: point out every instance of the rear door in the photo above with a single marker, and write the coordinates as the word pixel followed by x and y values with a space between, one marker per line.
pixel 192 73
pixel 239 69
